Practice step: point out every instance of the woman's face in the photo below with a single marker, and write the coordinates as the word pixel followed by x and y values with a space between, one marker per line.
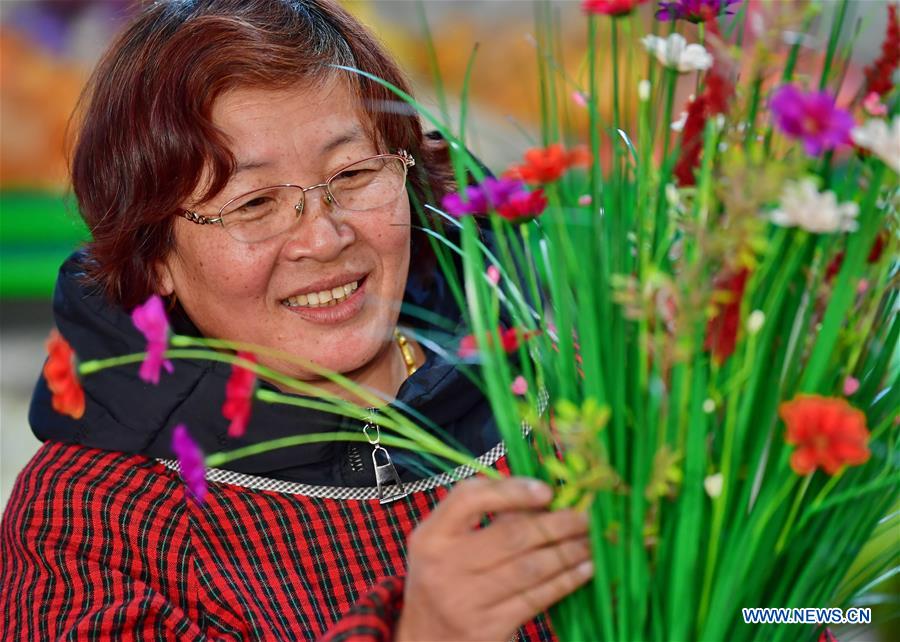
pixel 251 292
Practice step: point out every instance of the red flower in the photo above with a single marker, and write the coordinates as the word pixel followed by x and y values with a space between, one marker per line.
pixel 549 164
pixel 713 100
pixel 722 329
pixel 880 72
pixel 510 339
pixel 827 431
pixel 610 7
pixel 239 396
pixel 827 636
pixel 62 378
pixel 874 254
pixel 523 206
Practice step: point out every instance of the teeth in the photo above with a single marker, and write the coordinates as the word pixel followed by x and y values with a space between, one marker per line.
pixel 325 298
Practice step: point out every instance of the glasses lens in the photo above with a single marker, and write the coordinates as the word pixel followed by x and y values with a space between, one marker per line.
pixel 262 214
pixel 369 184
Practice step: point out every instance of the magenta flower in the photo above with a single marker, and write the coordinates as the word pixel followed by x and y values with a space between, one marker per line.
pixel 190 462
pixel 508 196
pixel 239 396
pixel 150 319
pixel 694 10
pixel 811 117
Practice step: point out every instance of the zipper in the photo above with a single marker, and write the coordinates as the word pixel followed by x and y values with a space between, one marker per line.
pixel 390 488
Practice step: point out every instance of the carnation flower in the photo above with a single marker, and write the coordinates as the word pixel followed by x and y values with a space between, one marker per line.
pixel 150 319
pixel 880 74
pixel 507 196
pixel 675 53
pixel 239 396
pixel 828 432
pixel 694 10
pixel 803 205
pixel 610 7
pixel 881 139
pixel 62 377
pixel 811 117
pixel 190 462
pixel 545 165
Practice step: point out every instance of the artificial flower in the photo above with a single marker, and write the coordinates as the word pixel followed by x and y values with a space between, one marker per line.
pixel 519 386
pixel 62 377
pixel 880 74
pixel 694 10
pixel 610 7
pixel 545 165
pixel 722 328
pixel 828 433
pixel 811 117
pixel 873 106
pixel 881 139
pixel 851 385
pixel 510 339
pixel 150 319
pixel 713 101
pixel 507 196
pixel 674 52
pixel 239 396
pixel 804 206
pixel 190 462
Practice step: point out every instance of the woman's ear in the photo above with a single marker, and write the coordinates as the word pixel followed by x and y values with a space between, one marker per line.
pixel 164 278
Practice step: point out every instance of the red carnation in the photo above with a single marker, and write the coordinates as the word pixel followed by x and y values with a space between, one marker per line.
pixel 828 432
pixel 880 72
pixel 545 165
pixel 722 329
pixel 613 8
pixel 62 377
pixel 239 396
pixel 713 100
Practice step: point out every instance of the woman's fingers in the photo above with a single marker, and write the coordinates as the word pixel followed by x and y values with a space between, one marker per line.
pixel 470 499
pixel 514 534
pixel 531 601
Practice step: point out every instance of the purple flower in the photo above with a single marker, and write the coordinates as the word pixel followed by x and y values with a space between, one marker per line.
pixel 811 117
pixel 150 319
pixel 694 10
pixel 190 461
pixel 492 194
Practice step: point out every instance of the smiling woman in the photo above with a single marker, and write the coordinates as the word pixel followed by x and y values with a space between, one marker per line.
pixel 228 162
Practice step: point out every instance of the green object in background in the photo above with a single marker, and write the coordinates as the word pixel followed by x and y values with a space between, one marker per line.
pixel 38 231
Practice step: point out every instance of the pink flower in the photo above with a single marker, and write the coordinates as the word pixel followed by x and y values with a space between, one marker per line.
pixel 239 396
pixel 610 7
pixel 579 98
pixel 519 386
pixel 510 339
pixel 851 385
pixel 873 105
pixel 493 274
pixel 811 117
pixel 694 10
pixel 150 319
pixel 507 196
pixel 190 462
pixel 585 200
pixel 523 206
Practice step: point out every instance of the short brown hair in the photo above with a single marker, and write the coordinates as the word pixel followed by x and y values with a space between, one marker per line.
pixel 147 136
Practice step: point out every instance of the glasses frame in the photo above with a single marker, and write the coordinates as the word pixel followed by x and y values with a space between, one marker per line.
pixel 200 219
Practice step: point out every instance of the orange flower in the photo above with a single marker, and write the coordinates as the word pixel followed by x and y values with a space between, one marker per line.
pixel 62 379
pixel 827 431
pixel 545 165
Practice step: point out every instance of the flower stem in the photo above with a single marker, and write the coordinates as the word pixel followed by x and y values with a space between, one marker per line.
pixel 782 539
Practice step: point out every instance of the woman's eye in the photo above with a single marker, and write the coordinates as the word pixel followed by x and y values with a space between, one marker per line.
pixel 256 202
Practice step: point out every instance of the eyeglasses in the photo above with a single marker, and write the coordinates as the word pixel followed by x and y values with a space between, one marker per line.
pixel 263 213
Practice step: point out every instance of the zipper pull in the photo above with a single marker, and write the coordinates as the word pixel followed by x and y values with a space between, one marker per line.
pixel 390 488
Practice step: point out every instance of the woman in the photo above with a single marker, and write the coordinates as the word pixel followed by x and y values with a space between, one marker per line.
pixel 203 122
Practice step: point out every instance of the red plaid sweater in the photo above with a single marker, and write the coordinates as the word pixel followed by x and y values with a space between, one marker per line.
pixel 104 545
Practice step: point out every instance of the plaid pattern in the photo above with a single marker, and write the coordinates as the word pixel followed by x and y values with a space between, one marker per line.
pixel 104 545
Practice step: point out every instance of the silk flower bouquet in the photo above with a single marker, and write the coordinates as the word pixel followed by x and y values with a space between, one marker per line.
pixel 689 328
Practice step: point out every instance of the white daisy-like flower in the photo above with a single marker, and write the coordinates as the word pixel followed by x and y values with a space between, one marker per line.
pixel 674 52
pixel 803 205
pixel 881 139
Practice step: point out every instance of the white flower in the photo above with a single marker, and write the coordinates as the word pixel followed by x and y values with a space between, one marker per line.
pixel 678 125
pixel 803 205
pixel 709 406
pixel 755 321
pixel 713 485
pixel 676 53
pixel 880 139
pixel 644 90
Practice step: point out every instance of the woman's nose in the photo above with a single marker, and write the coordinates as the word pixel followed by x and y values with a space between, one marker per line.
pixel 321 233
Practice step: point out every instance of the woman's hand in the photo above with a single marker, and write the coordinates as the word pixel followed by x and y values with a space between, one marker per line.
pixel 466 584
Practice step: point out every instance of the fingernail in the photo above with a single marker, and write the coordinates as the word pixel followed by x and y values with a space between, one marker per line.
pixel 540 490
pixel 585 568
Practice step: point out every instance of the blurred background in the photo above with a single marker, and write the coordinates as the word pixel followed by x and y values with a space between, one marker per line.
pixel 48 48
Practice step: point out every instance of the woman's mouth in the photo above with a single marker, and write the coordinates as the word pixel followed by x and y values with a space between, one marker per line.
pixel 323 298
